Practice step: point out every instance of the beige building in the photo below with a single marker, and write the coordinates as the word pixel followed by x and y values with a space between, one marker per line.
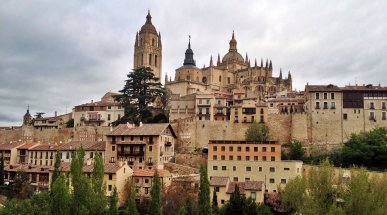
pixel 38 176
pixel 143 181
pixel 285 105
pixel 98 113
pixel 182 107
pixel 9 152
pixel 147 146
pixel 249 111
pixel 55 122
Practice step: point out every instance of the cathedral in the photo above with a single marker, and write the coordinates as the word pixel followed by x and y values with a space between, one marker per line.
pixel 228 73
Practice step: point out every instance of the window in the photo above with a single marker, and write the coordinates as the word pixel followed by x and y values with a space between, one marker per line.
pixel 214 148
pixel 317 95
pixel 146 181
pixel 383 105
pixel 253 195
pixel 234 168
pixel 150 148
pixel 372 105
pixel 239 148
pixel 215 168
pixel 108 116
pixel 264 149
pixel 271 181
pixel 332 95
pixel 372 115
pixel 67 155
pixel 272 149
pixel 235 179
pixel 255 149
pixel 248 169
pixel 208 101
pixel 146 190
pixel 223 148
pixel 109 107
pixel 255 158
pixel 317 105
pixel 119 116
pixel 283 181
pixel 325 95
pixel 333 105
pixel 247 158
pixel 222 157
pixel 286 169
pixel 141 138
pixel 325 105
pixel 110 176
pixel 230 148
pixel 216 189
pixel 260 169
pixel 112 160
pixel 247 149
pixel 264 158
pixel 383 115
pixel 110 187
pixel 239 158
pixel 231 158
pixel 224 168
pixel 214 157
pixel 345 116
pixel 272 158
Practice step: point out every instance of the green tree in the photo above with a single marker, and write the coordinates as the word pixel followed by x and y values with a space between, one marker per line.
pixel 257 133
pixel 182 211
pixel 293 196
pixel 70 123
pixel 1 171
pixel 39 204
pixel 60 197
pixel 113 209
pixel 296 152
pixel 237 203
pixel 82 191
pixel 263 209
pixel 99 187
pixel 335 210
pixel 141 89
pixel 155 206
pixel 132 207
pixel 204 193
pixel 214 205
pixel 56 172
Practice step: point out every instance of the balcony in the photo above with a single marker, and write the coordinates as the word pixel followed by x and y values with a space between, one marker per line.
pixel 167 144
pixel 95 120
pixel 149 163
pixel 130 153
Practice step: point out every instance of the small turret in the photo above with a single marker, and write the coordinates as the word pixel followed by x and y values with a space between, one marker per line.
pixel 218 63
pixel 166 78
pixel 270 66
pixel 261 62
pixel 289 76
pixel 267 63
pixel 136 42
pixel 159 40
pixel 247 58
pixel 280 75
pixel 255 65
pixel 211 64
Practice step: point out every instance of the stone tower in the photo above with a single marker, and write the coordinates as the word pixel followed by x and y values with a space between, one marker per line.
pixel 148 48
pixel 27 119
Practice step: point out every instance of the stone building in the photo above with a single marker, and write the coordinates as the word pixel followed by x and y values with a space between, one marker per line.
pixel 143 181
pixel 148 48
pixel 147 146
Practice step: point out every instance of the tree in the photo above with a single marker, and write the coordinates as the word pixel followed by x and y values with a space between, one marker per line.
pixel 132 208
pixel 39 204
pixel 56 172
pixel 70 123
pixel 141 89
pixel 214 205
pixel 99 187
pixel 155 207
pixel 82 191
pixel 274 202
pixel 60 197
pixel 204 193
pixel 182 211
pixel 296 151
pixel 21 186
pixel 293 196
pixel 1 171
pixel 113 209
pixel 257 133
pixel 236 205
pixel 263 209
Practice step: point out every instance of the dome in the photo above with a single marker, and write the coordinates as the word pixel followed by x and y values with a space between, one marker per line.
pixel 148 27
pixel 231 56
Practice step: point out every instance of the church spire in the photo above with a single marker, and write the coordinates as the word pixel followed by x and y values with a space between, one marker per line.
pixel 280 75
pixel 270 65
pixel 160 39
pixel 233 43
pixel 255 65
pixel 148 18
pixel 247 58
pixel 211 64
pixel 136 42
pixel 267 63
pixel 189 60
pixel 261 62
pixel 218 63
pixel 289 76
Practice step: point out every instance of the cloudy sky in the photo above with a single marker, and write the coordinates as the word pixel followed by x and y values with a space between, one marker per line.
pixel 57 54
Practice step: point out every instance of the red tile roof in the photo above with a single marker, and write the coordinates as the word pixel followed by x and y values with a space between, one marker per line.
pixel 153 129
pixel 150 173
pixel 322 88
pixel 9 146
pixel 72 146
pixel 247 185
pixel 108 167
pixel 27 146
pixel 218 181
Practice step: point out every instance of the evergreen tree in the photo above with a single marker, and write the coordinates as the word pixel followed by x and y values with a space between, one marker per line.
pixel 204 193
pixel 296 151
pixel 214 205
pixel 60 197
pixel 113 209
pixel 1 171
pixel 236 202
pixel 140 90
pixel 132 208
pixel 293 196
pixel 56 172
pixel 155 207
pixel 257 133
pixel 98 200
pixel 82 191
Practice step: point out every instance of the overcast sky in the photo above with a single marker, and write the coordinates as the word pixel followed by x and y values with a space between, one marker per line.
pixel 57 54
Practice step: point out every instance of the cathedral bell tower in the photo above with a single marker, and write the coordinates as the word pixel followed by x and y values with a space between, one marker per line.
pixel 148 48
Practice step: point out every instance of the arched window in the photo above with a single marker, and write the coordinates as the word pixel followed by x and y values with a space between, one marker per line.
pixel 150 59
pixel 188 77
pixel 204 80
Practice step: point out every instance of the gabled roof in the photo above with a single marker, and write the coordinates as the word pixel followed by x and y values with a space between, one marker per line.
pixel 151 129
pixel 9 146
pixel 26 146
pixel 71 146
pixel 108 167
pixel 243 186
pixel 322 88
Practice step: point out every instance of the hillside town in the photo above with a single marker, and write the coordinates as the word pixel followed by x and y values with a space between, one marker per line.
pixel 238 118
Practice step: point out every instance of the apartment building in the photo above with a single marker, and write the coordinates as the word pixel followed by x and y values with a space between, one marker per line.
pixel 53 122
pixel 285 105
pixel 256 167
pixel 37 176
pixel 98 113
pixel 249 111
pixel 147 146
pixel 9 152
pixel 143 181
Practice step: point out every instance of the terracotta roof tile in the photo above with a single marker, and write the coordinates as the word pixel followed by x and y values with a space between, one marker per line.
pixel 9 146
pixel 247 185
pixel 322 88
pixel 154 129
pixel 150 173
pixel 108 167
pixel 72 146
pixel 27 146
pixel 218 181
